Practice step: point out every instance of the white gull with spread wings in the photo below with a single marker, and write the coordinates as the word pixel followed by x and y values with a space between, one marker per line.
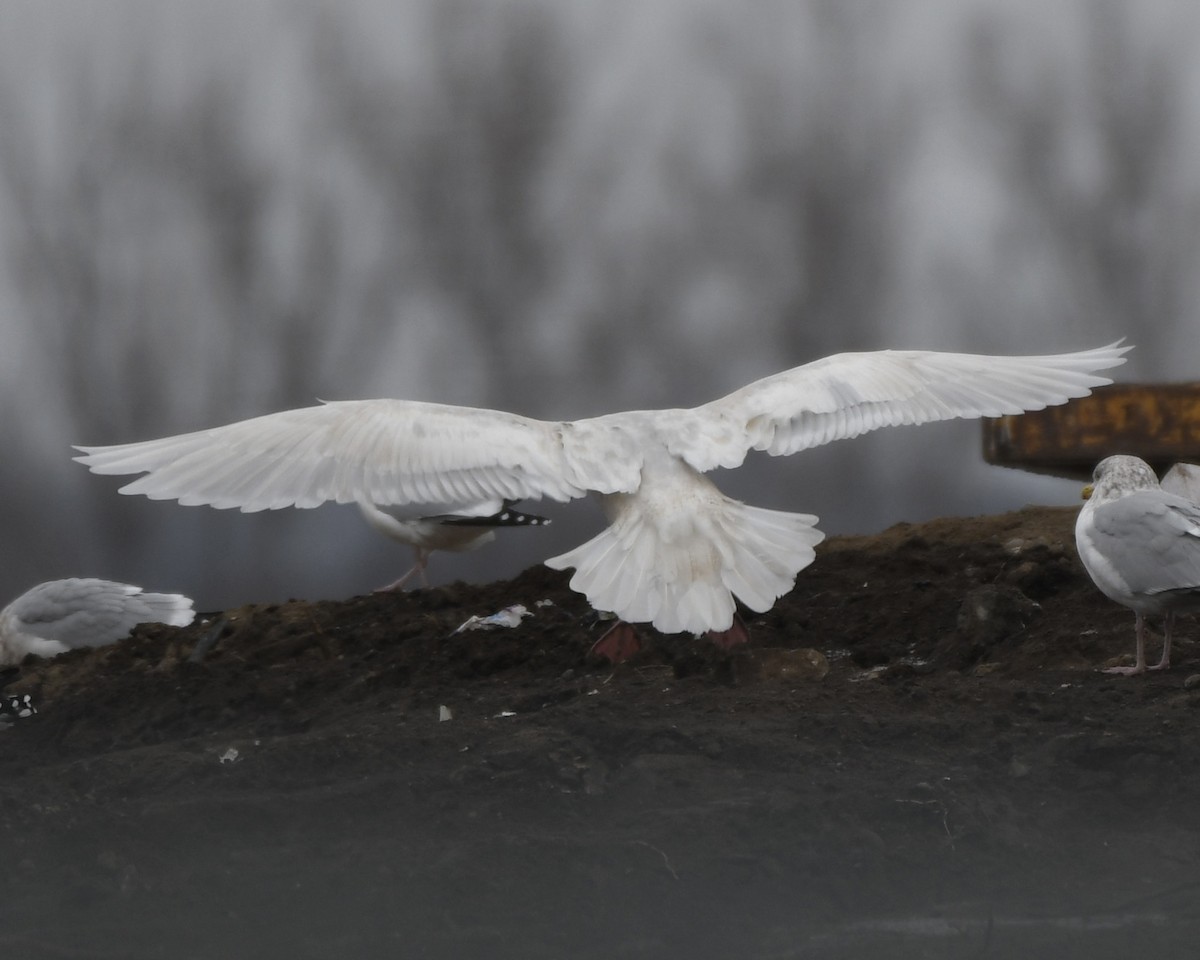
pixel 676 551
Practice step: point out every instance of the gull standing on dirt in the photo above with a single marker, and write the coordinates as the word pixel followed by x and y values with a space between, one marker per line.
pixel 1141 546
pixel 676 551
pixel 61 615
pixel 466 529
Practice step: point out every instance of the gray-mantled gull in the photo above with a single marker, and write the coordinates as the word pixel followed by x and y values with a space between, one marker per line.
pixel 61 615
pixel 466 529
pixel 676 551
pixel 1141 547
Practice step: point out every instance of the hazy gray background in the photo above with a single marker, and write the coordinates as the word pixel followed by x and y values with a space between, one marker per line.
pixel 210 211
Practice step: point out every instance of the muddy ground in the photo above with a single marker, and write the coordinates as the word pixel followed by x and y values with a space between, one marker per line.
pixel 925 784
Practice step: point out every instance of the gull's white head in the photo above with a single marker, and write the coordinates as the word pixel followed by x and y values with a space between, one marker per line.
pixel 1118 476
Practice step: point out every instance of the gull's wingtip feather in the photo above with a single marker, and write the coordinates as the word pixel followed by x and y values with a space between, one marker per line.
pixel 1118 348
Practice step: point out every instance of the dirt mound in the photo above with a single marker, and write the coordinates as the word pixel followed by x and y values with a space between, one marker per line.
pixel 914 757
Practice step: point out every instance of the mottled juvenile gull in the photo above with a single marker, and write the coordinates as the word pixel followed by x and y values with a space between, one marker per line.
pixel 677 551
pixel 61 615
pixel 1183 480
pixel 1141 546
pixel 466 529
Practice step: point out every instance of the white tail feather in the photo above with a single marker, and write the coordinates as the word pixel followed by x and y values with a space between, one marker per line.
pixel 681 571
pixel 170 608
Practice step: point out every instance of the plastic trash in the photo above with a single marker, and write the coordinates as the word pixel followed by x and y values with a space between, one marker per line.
pixel 508 617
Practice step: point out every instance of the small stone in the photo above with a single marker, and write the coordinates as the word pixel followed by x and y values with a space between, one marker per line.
pixel 1191 682
pixel 992 613
pixel 1021 572
pixel 805 663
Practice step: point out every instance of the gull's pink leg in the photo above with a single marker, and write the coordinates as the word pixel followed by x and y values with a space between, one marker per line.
pixel 422 559
pixel 1168 626
pixel 619 643
pixel 735 636
pixel 1140 663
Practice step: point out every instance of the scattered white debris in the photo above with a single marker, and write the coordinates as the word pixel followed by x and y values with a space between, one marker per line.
pixel 229 756
pixel 506 713
pixel 544 603
pixel 444 714
pixel 592 693
pixel 508 617
pixel 1014 546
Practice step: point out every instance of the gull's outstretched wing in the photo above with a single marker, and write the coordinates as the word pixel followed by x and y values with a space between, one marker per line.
pixel 384 451
pixel 852 393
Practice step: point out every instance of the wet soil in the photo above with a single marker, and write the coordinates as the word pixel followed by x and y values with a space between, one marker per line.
pixel 915 756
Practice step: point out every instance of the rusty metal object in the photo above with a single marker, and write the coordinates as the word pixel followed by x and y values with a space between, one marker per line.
pixel 1158 422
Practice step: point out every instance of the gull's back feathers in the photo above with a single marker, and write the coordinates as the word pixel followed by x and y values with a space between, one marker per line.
pixel 61 615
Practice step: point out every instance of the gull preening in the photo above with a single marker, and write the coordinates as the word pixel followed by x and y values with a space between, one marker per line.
pixel 676 551
pixel 468 528
pixel 61 615
pixel 1141 546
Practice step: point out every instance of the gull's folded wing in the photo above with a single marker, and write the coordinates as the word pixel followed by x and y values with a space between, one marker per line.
pixel 1151 538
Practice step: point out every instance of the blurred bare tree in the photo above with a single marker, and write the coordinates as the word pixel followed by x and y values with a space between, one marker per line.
pixel 175 277
pixel 147 261
pixel 145 265
pixel 1086 155
pixel 457 169
pixel 563 208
